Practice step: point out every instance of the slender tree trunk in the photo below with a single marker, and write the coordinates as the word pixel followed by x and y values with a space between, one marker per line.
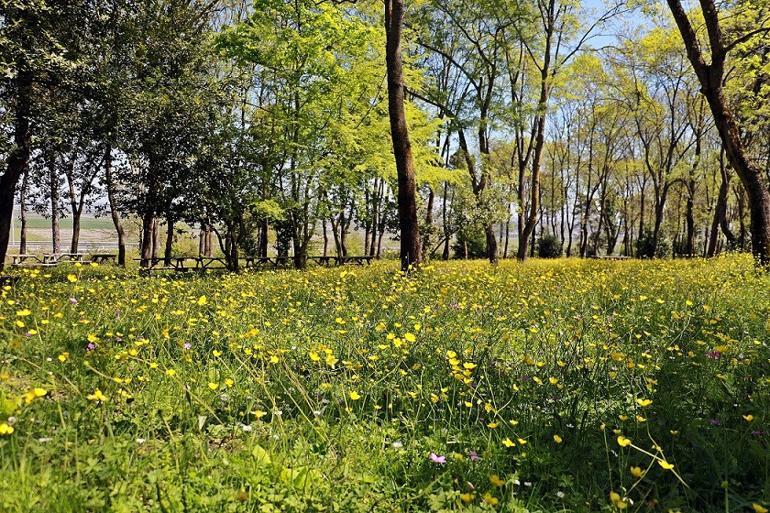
pixel 445 221
pixel 53 183
pixel 169 240
pixel 326 238
pixel 155 238
pixel 146 249
pixel 542 105
pixel 689 248
pixel 23 215
pixel 113 207
pixel 720 212
pixel 402 149
pixel 426 243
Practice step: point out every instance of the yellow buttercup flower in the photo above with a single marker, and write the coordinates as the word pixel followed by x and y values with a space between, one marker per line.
pixel 637 472
pixel 623 441
pixel 354 396
pixel 490 499
pixel 665 465
pixel 557 439
pixel 618 501
pixel 496 481
pixel 5 429
pixel 758 508
pixel 644 402
pixel 97 396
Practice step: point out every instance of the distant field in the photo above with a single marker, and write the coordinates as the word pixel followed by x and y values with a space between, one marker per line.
pixel 101 229
pixel 86 223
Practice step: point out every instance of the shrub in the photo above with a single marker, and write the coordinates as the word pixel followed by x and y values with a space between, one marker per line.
pixel 474 242
pixel 646 247
pixel 549 246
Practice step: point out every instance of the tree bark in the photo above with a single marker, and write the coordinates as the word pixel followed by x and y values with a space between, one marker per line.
pixel 23 215
pixel 53 182
pixel 113 207
pixel 169 241
pixel 542 105
pixel 17 163
pixel 402 149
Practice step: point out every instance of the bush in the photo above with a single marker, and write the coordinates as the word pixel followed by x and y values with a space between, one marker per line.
pixel 472 241
pixel 646 247
pixel 549 246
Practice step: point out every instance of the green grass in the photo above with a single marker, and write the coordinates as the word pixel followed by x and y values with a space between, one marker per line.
pixel 546 386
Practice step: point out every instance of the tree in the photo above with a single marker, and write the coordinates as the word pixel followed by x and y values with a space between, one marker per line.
pixel 711 78
pixel 402 148
pixel 31 49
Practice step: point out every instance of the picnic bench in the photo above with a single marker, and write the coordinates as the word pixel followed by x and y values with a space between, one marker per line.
pixel 324 260
pixel 611 257
pixel 359 260
pixel 252 262
pixel 176 263
pixel 202 264
pixel 341 260
pixel 25 260
pixel 103 258
pixel 210 263
pixel 56 258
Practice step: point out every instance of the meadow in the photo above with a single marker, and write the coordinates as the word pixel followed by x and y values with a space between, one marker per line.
pixel 548 386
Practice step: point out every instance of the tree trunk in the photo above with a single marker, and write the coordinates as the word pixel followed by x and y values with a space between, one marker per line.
pixel 53 182
pixel 169 241
pixel 23 216
pixel 426 243
pixel 155 239
pixel 542 105
pixel 326 238
pixel 147 235
pixel 17 162
pixel 113 207
pixel 402 149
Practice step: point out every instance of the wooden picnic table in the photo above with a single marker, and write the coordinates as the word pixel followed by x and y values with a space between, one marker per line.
pixel 611 257
pixel 253 262
pixel 18 260
pixel 56 258
pixel 103 258
pixel 209 263
pixel 324 260
pixel 342 260
pixel 360 260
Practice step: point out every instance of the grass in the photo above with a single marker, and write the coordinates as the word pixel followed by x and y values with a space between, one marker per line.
pixel 546 386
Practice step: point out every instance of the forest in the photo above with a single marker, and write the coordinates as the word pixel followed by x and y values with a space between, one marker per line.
pixel 532 127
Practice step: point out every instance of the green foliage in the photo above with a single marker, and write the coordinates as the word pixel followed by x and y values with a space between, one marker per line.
pixel 648 247
pixel 549 246
pixel 470 242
